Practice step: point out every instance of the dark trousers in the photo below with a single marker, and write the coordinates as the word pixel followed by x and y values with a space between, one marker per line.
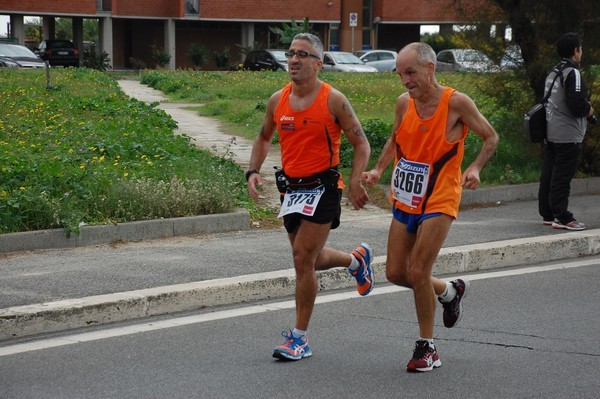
pixel 558 169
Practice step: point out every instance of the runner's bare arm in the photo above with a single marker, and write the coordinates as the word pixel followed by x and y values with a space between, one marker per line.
pixel 342 111
pixel 371 177
pixel 469 114
pixel 261 146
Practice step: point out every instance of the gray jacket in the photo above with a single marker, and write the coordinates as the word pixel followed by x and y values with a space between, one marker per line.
pixel 567 105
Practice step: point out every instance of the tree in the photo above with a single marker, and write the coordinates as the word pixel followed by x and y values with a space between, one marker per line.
pixel 537 25
pixel 288 31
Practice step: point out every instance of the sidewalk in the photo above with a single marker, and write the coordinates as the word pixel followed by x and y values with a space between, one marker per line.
pixel 56 289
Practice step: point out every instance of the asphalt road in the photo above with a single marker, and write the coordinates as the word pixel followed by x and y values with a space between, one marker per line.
pixel 526 333
pixel 50 275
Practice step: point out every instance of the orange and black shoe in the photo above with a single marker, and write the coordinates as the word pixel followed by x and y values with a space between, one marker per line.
pixel 364 274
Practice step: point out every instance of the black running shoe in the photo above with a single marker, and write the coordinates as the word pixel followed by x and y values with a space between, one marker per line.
pixel 453 309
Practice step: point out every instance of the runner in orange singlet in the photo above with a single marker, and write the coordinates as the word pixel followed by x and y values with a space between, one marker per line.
pixel 427 144
pixel 309 116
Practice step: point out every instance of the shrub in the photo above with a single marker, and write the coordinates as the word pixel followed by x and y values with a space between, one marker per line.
pixel 86 153
pixel 197 54
pixel 160 57
pixel 222 58
pixel 93 59
pixel 136 63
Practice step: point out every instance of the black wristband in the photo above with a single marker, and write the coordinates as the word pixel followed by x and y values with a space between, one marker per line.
pixel 250 173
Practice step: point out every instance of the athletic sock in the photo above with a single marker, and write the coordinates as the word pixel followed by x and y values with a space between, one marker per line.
pixel 354 264
pixel 298 333
pixel 449 293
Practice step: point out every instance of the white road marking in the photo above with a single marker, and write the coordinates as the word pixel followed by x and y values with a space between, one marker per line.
pixel 245 311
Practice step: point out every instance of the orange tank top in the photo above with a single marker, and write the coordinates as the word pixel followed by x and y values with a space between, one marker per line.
pixel 424 156
pixel 309 139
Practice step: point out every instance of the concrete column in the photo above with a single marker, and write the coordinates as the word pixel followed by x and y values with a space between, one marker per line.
pixel 247 36
pixel 170 47
pixel 48 28
pixel 105 33
pixel 446 29
pixel 78 36
pixel 17 29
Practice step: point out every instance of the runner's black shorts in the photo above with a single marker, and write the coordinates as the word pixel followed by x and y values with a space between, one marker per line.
pixel 328 210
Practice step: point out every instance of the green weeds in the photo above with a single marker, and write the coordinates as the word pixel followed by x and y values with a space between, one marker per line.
pixel 84 153
pixel 238 99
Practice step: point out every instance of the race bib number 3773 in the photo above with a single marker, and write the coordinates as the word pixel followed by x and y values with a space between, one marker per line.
pixel 409 182
pixel 301 201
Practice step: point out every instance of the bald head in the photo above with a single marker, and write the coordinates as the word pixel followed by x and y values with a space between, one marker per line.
pixel 423 51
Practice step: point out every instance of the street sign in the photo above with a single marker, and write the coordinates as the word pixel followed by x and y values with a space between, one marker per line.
pixel 353 19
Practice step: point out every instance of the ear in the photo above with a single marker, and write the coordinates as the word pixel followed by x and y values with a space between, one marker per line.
pixel 318 65
pixel 431 68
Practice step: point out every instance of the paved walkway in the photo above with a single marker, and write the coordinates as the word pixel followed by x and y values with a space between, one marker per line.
pixel 207 134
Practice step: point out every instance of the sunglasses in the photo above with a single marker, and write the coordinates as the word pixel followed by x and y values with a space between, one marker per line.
pixel 301 54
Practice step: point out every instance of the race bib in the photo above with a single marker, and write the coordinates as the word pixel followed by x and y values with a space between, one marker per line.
pixel 409 182
pixel 302 201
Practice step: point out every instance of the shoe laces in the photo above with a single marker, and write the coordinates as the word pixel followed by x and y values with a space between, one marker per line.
pixel 291 341
pixel 422 348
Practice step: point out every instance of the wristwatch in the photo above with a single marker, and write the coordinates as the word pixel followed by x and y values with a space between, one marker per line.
pixel 250 173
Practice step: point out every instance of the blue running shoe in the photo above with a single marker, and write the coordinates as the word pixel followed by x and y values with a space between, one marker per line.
pixel 364 274
pixel 293 348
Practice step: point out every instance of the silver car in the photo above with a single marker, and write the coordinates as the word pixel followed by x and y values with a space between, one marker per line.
pixel 342 61
pixel 383 60
pixel 464 60
pixel 17 56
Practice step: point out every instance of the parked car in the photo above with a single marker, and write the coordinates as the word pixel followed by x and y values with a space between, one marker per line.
pixel 342 61
pixel 464 60
pixel 512 58
pixel 270 59
pixel 58 53
pixel 383 60
pixel 17 56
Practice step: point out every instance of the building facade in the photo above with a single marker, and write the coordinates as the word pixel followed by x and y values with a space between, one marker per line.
pixel 130 29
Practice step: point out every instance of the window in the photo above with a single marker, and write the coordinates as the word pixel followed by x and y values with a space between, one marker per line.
pixel 191 7
pixel 367 22
pixel 103 5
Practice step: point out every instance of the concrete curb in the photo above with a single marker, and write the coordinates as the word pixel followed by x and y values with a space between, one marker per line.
pixel 63 315
pixel 523 192
pixel 236 221
pixel 132 231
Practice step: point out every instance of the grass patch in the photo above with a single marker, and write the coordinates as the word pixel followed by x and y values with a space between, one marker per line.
pixel 83 152
pixel 239 99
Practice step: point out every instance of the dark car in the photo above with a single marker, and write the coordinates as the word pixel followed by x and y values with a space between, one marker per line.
pixel 261 60
pixel 17 56
pixel 58 53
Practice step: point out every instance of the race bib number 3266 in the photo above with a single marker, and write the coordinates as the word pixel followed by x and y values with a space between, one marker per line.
pixel 409 182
